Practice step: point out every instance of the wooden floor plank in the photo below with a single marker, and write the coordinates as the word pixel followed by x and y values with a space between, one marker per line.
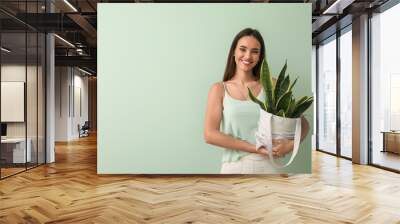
pixel 70 191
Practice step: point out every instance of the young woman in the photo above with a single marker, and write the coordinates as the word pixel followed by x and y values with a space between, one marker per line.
pixel 231 117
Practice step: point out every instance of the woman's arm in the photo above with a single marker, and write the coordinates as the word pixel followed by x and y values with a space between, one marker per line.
pixel 305 127
pixel 212 134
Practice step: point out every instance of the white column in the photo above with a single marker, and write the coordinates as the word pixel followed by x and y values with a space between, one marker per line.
pixel 50 92
pixel 360 90
pixel 50 110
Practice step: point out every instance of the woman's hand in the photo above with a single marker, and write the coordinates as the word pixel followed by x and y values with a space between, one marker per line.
pixel 281 147
pixel 263 151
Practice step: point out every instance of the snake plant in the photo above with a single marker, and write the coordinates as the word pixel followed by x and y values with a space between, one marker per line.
pixel 279 99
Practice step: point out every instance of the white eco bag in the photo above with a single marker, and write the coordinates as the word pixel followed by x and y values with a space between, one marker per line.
pixel 272 127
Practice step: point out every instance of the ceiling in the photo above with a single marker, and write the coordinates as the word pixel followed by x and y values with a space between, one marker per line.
pixel 76 22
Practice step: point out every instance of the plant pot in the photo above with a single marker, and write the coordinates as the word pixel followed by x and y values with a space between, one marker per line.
pixel 272 127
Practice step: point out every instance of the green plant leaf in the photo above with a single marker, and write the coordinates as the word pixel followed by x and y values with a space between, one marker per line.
pixel 283 102
pixel 279 81
pixel 281 113
pixel 290 108
pixel 302 107
pixel 283 87
pixel 301 100
pixel 255 100
pixel 279 99
pixel 266 82
pixel 293 83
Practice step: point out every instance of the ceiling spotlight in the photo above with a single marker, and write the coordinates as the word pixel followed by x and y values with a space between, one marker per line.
pixel 65 41
pixel 5 50
pixel 70 5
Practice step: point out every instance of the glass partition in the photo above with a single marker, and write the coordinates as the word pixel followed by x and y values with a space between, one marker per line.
pixel 13 114
pixel 41 85
pixel 326 136
pixel 35 64
pixel 31 100
pixel 22 77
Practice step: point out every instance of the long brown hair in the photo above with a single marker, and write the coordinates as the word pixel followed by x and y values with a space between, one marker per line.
pixel 231 65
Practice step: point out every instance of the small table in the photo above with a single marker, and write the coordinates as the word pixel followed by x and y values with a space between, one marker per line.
pixel 391 141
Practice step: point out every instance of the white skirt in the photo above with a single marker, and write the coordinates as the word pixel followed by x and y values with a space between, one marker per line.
pixel 250 164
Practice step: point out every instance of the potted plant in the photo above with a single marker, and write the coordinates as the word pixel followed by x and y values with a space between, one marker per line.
pixel 280 114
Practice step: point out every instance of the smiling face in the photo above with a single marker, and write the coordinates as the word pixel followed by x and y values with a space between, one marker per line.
pixel 247 53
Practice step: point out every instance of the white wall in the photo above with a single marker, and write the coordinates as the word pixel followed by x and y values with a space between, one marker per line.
pixel 79 111
pixel 15 72
pixel 70 83
pixel 61 103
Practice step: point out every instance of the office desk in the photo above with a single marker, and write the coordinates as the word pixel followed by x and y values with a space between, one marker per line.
pixel 15 148
pixel 391 141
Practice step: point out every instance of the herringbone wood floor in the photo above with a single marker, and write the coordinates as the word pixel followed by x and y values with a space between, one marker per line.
pixel 69 191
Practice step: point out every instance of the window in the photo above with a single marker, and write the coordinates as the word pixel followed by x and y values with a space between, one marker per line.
pixel 326 138
pixel 385 89
pixel 346 92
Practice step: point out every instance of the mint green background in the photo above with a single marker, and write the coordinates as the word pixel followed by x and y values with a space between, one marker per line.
pixel 156 63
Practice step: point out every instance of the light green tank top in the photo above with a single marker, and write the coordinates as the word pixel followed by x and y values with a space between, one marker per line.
pixel 240 120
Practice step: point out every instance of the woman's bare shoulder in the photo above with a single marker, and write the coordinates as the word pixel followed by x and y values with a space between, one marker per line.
pixel 217 89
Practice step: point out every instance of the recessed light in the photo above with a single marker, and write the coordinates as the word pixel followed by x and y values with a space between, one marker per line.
pixel 64 40
pixel 70 5
pixel 5 50
pixel 337 7
pixel 84 71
